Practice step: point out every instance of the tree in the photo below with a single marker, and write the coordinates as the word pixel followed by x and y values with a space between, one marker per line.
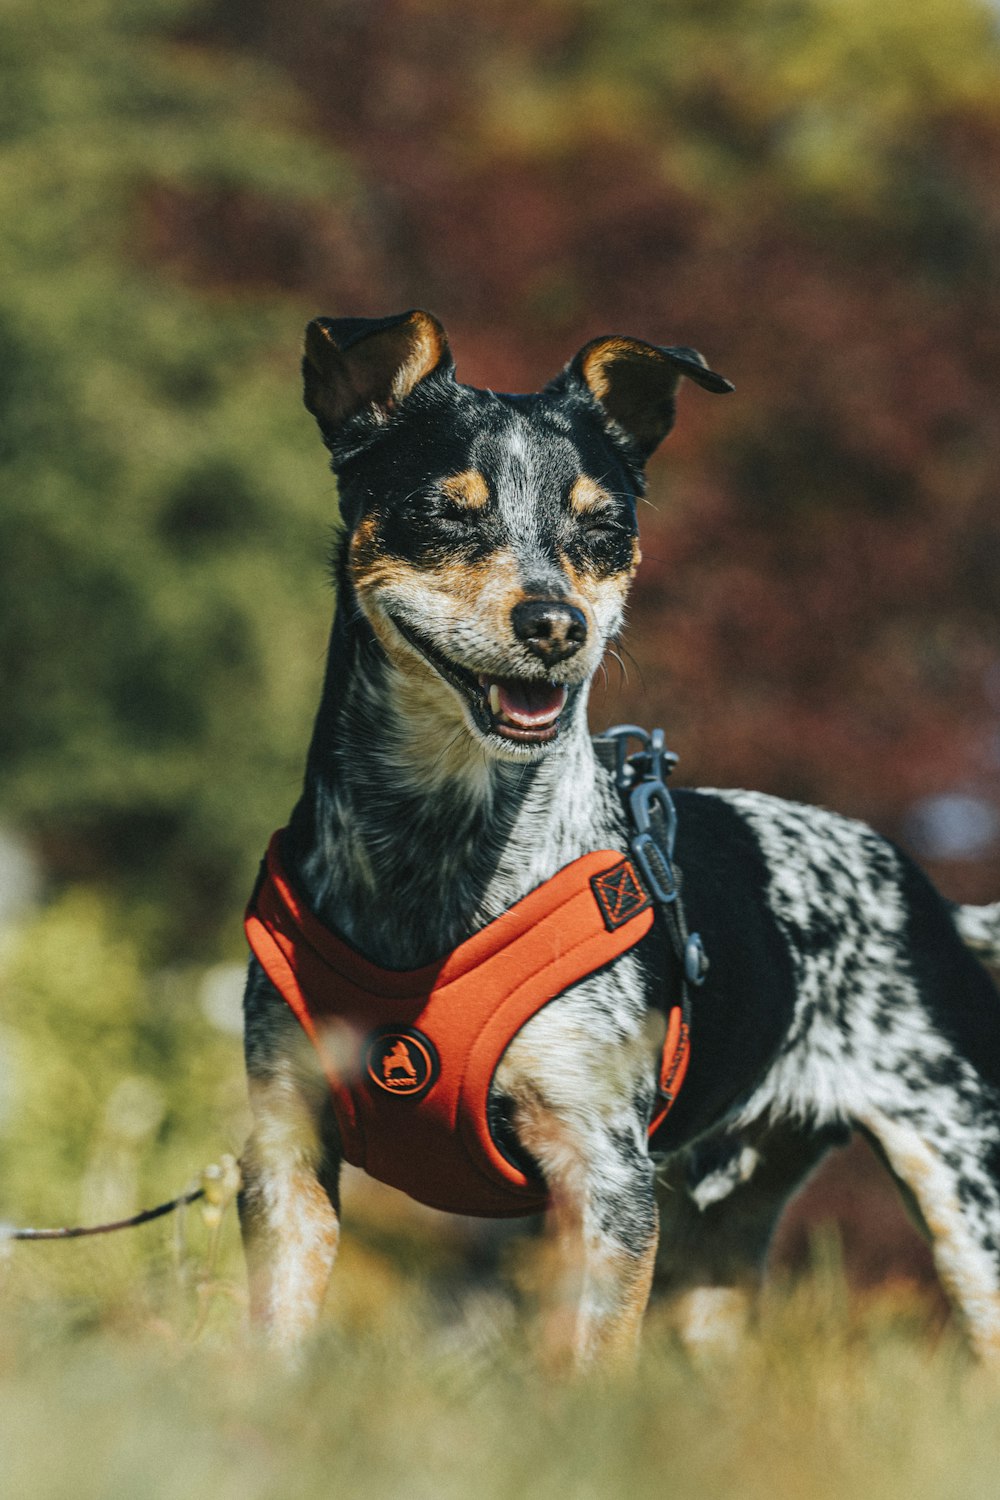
pixel 804 188
pixel 807 190
pixel 163 504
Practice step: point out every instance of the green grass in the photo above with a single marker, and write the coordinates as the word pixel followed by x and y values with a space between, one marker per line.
pixel 126 1371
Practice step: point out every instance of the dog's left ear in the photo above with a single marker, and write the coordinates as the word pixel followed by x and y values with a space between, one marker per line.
pixel 368 365
pixel 635 384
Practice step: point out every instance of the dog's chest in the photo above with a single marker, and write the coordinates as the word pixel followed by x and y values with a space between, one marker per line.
pixel 537 997
pixel 407 878
pixel 591 1051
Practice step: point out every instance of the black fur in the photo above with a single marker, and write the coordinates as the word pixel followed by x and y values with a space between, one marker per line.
pixel 451 772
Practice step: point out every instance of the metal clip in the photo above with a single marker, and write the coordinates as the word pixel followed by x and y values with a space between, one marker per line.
pixel 661 760
pixel 641 802
pixel 657 873
pixel 620 734
pixel 653 857
pixel 652 761
pixel 642 777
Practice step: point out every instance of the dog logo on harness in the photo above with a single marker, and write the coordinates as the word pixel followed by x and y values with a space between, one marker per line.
pixel 401 1062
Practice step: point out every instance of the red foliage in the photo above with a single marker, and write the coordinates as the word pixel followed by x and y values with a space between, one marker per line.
pixel 818 609
pixel 819 603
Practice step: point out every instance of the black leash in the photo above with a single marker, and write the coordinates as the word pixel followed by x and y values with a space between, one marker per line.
pixel 78 1231
pixel 641 780
pixel 219 1186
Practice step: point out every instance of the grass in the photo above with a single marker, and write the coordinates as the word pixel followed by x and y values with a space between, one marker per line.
pixel 126 1371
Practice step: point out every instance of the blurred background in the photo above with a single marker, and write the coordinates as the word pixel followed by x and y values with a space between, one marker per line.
pixel 806 190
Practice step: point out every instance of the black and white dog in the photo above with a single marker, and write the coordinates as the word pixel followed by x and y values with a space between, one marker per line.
pixel 488 546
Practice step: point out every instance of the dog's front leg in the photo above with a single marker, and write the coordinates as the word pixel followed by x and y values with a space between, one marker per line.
pixel 604 1227
pixel 288 1205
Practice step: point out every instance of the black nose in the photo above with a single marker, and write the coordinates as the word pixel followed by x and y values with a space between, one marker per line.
pixel 550 629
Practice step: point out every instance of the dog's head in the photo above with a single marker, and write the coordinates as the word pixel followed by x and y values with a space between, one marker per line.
pixel 492 538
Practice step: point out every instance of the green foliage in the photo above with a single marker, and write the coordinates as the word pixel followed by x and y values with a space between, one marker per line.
pixel 116 1084
pixel 164 506
pixel 806 186
pixel 821 98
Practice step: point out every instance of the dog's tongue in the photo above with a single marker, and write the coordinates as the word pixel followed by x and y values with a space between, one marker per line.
pixel 531 705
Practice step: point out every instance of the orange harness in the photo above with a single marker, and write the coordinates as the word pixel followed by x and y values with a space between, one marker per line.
pixel 410 1054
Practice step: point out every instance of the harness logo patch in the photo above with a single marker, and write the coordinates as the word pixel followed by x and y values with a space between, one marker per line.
pixel 402 1062
pixel 620 894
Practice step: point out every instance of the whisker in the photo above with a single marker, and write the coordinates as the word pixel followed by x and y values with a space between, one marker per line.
pixel 632 659
pixel 621 665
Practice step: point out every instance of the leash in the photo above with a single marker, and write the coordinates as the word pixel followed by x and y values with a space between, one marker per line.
pixel 641 781
pixel 219 1185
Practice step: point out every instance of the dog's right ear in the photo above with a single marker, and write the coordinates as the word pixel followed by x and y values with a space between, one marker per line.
pixel 634 385
pixel 353 366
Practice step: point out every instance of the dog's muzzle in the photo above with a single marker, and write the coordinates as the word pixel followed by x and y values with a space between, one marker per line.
pixel 526 710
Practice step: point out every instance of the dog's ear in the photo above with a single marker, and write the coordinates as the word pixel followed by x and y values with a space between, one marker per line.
pixel 635 383
pixel 356 365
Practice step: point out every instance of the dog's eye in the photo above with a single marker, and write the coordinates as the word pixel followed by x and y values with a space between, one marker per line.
pixel 600 530
pixel 453 513
pixel 453 523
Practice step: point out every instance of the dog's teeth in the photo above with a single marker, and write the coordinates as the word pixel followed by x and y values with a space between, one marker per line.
pixel 494 698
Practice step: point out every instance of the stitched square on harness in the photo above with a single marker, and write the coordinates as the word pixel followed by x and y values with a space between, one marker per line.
pixel 620 894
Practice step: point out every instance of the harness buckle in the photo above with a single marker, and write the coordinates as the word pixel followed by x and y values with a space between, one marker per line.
pixel 652 762
pixel 640 779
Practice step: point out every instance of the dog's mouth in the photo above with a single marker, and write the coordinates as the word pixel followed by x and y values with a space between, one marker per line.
pixel 525 709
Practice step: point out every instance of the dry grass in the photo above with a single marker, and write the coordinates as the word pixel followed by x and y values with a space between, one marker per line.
pixel 125 1371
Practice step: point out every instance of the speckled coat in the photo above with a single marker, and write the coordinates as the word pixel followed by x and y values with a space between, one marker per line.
pixel 487 549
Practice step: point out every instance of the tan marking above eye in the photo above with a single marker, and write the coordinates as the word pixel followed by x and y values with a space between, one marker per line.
pixel 587 496
pixel 468 489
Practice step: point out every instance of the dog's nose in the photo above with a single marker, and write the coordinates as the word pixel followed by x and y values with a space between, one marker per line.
pixel 550 629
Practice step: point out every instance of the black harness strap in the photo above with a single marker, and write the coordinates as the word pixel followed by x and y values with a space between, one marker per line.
pixel 641 780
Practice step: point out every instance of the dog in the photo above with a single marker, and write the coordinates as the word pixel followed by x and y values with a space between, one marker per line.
pixel 487 549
